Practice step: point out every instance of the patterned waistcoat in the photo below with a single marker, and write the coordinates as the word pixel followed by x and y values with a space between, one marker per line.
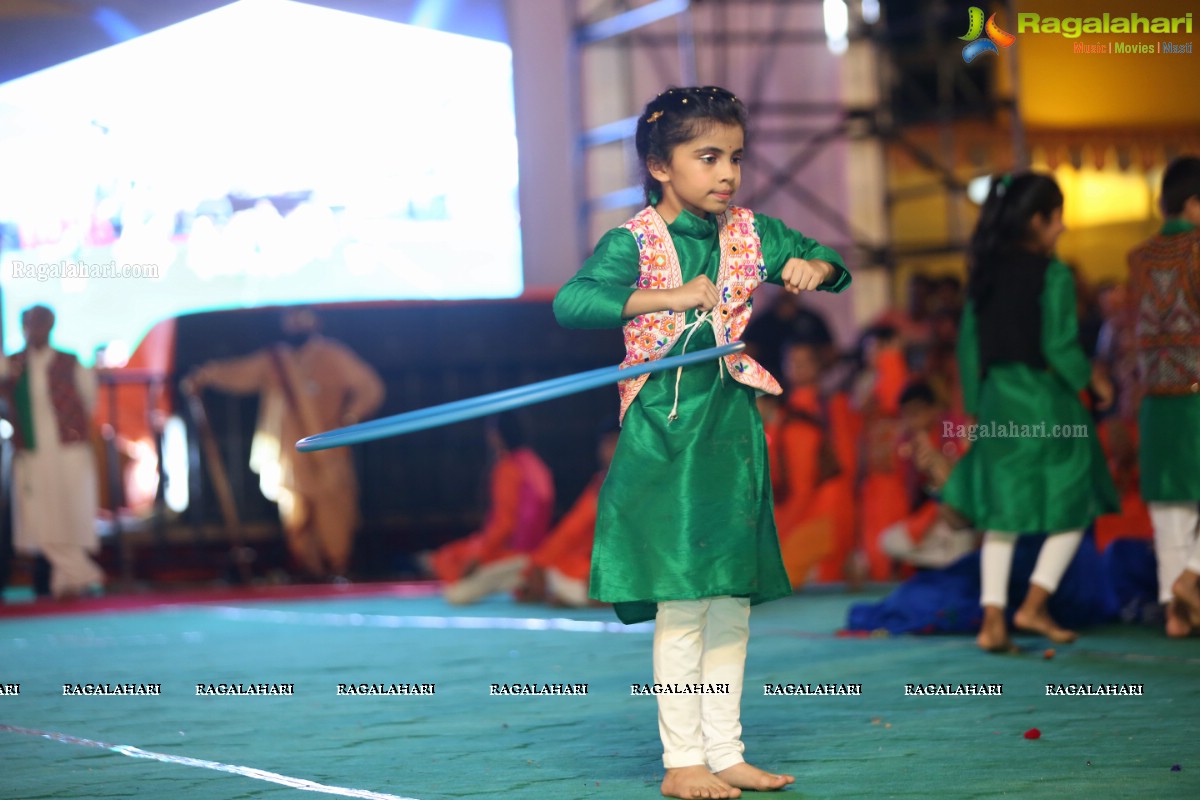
pixel 69 413
pixel 1164 274
pixel 651 336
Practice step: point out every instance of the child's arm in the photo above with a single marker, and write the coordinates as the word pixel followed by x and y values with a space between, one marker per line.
pixel 596 296
pixel 603 293
pixel 798 263
pixel 1060 329
pixel 698 293
pixel 802 275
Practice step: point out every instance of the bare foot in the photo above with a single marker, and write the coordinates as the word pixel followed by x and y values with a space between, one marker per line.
pixel 1179 626
pixel 745 776
pixel 993 633
pixel 1187 593
pixel 696 783
pixel 1041 622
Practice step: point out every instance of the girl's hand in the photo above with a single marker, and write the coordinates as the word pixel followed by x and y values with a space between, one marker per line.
pixel 698 293
pixel 931 462
pixel 1103 389
pixel 800 275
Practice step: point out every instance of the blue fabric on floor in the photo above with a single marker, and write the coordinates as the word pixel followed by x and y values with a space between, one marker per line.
pixel 1132 571
pixel 947 600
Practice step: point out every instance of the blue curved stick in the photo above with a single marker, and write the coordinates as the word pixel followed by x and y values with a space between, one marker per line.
pixel 497 402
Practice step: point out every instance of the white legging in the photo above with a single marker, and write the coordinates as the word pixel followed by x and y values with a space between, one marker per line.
pixel 701 642
pixel 1176 545
pixel 995 563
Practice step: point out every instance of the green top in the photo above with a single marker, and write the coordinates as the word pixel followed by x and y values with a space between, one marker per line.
pixel 1176 225
pixel 1037 465
pixel 686 510
pixel 1060 338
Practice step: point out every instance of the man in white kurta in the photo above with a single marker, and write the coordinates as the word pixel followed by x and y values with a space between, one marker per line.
pixel 55 484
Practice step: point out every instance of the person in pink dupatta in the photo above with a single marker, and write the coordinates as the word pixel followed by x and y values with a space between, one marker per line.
pixel 521 509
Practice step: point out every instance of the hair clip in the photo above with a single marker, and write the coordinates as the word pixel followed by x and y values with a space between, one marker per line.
pixel 1002 185
pixel 653 117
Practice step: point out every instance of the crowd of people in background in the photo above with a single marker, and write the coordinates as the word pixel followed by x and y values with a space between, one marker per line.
pixel 861 443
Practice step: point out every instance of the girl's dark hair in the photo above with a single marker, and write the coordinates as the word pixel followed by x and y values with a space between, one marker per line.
pixel 1003 226
pixel 1181 180
pixel 918 392
pixel 511 428
pixel 679 115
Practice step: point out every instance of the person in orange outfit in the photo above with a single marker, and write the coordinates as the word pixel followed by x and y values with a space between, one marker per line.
pixel 931 442
pixel 883 495
pixel 521 508
pixel 811 445
pixel 557 572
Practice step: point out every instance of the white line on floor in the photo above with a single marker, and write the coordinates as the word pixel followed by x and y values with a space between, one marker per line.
pixel 234 769
pixel 407 621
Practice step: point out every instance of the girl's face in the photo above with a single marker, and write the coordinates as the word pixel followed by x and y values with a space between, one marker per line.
pixel 703 174
pixel 1045 231
pixel 800 366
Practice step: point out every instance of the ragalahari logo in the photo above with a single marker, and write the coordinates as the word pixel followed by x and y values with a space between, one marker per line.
pixel 995 36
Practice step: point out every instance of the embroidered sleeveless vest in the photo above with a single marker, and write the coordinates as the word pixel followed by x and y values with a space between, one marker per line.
pixel 651 336
pixel 69 413
pixel 1164 274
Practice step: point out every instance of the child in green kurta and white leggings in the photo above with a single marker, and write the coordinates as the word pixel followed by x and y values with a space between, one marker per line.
pixel 1037 466
pixel 685 532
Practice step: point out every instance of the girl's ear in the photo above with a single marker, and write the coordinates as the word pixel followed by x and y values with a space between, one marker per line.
pixel 1038 223
pixel 657 170
pixel 1191 209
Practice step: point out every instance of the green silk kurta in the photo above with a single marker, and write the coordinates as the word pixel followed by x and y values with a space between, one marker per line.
pixel 1045 472
pixel 686 510
pixel 1169 448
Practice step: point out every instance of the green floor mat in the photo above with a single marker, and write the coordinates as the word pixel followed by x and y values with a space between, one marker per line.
pixel 462 741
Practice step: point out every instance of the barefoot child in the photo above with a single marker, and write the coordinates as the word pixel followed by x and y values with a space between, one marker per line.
pixel 685 533
pixel 1165 282
pixel 1037 466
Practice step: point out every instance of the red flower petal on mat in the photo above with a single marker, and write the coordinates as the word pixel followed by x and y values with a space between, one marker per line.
pixel 1033 733
pixel 1049 654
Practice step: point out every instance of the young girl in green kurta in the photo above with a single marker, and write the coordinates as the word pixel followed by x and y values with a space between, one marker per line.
pixel 1037 466
pixel 685 533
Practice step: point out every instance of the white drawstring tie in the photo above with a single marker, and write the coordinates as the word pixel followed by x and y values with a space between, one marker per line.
pixel 692 327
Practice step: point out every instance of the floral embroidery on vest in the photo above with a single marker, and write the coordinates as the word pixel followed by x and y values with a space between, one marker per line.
pixel 651 336
pixel 69 414
pixel 1165 275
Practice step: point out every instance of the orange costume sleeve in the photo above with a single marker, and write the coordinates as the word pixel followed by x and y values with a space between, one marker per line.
pixel 892 378
pixel 920 521
pixel 846 426
pixel 797 445
pixel 451 561
pixel 491 541
pixel 571 540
